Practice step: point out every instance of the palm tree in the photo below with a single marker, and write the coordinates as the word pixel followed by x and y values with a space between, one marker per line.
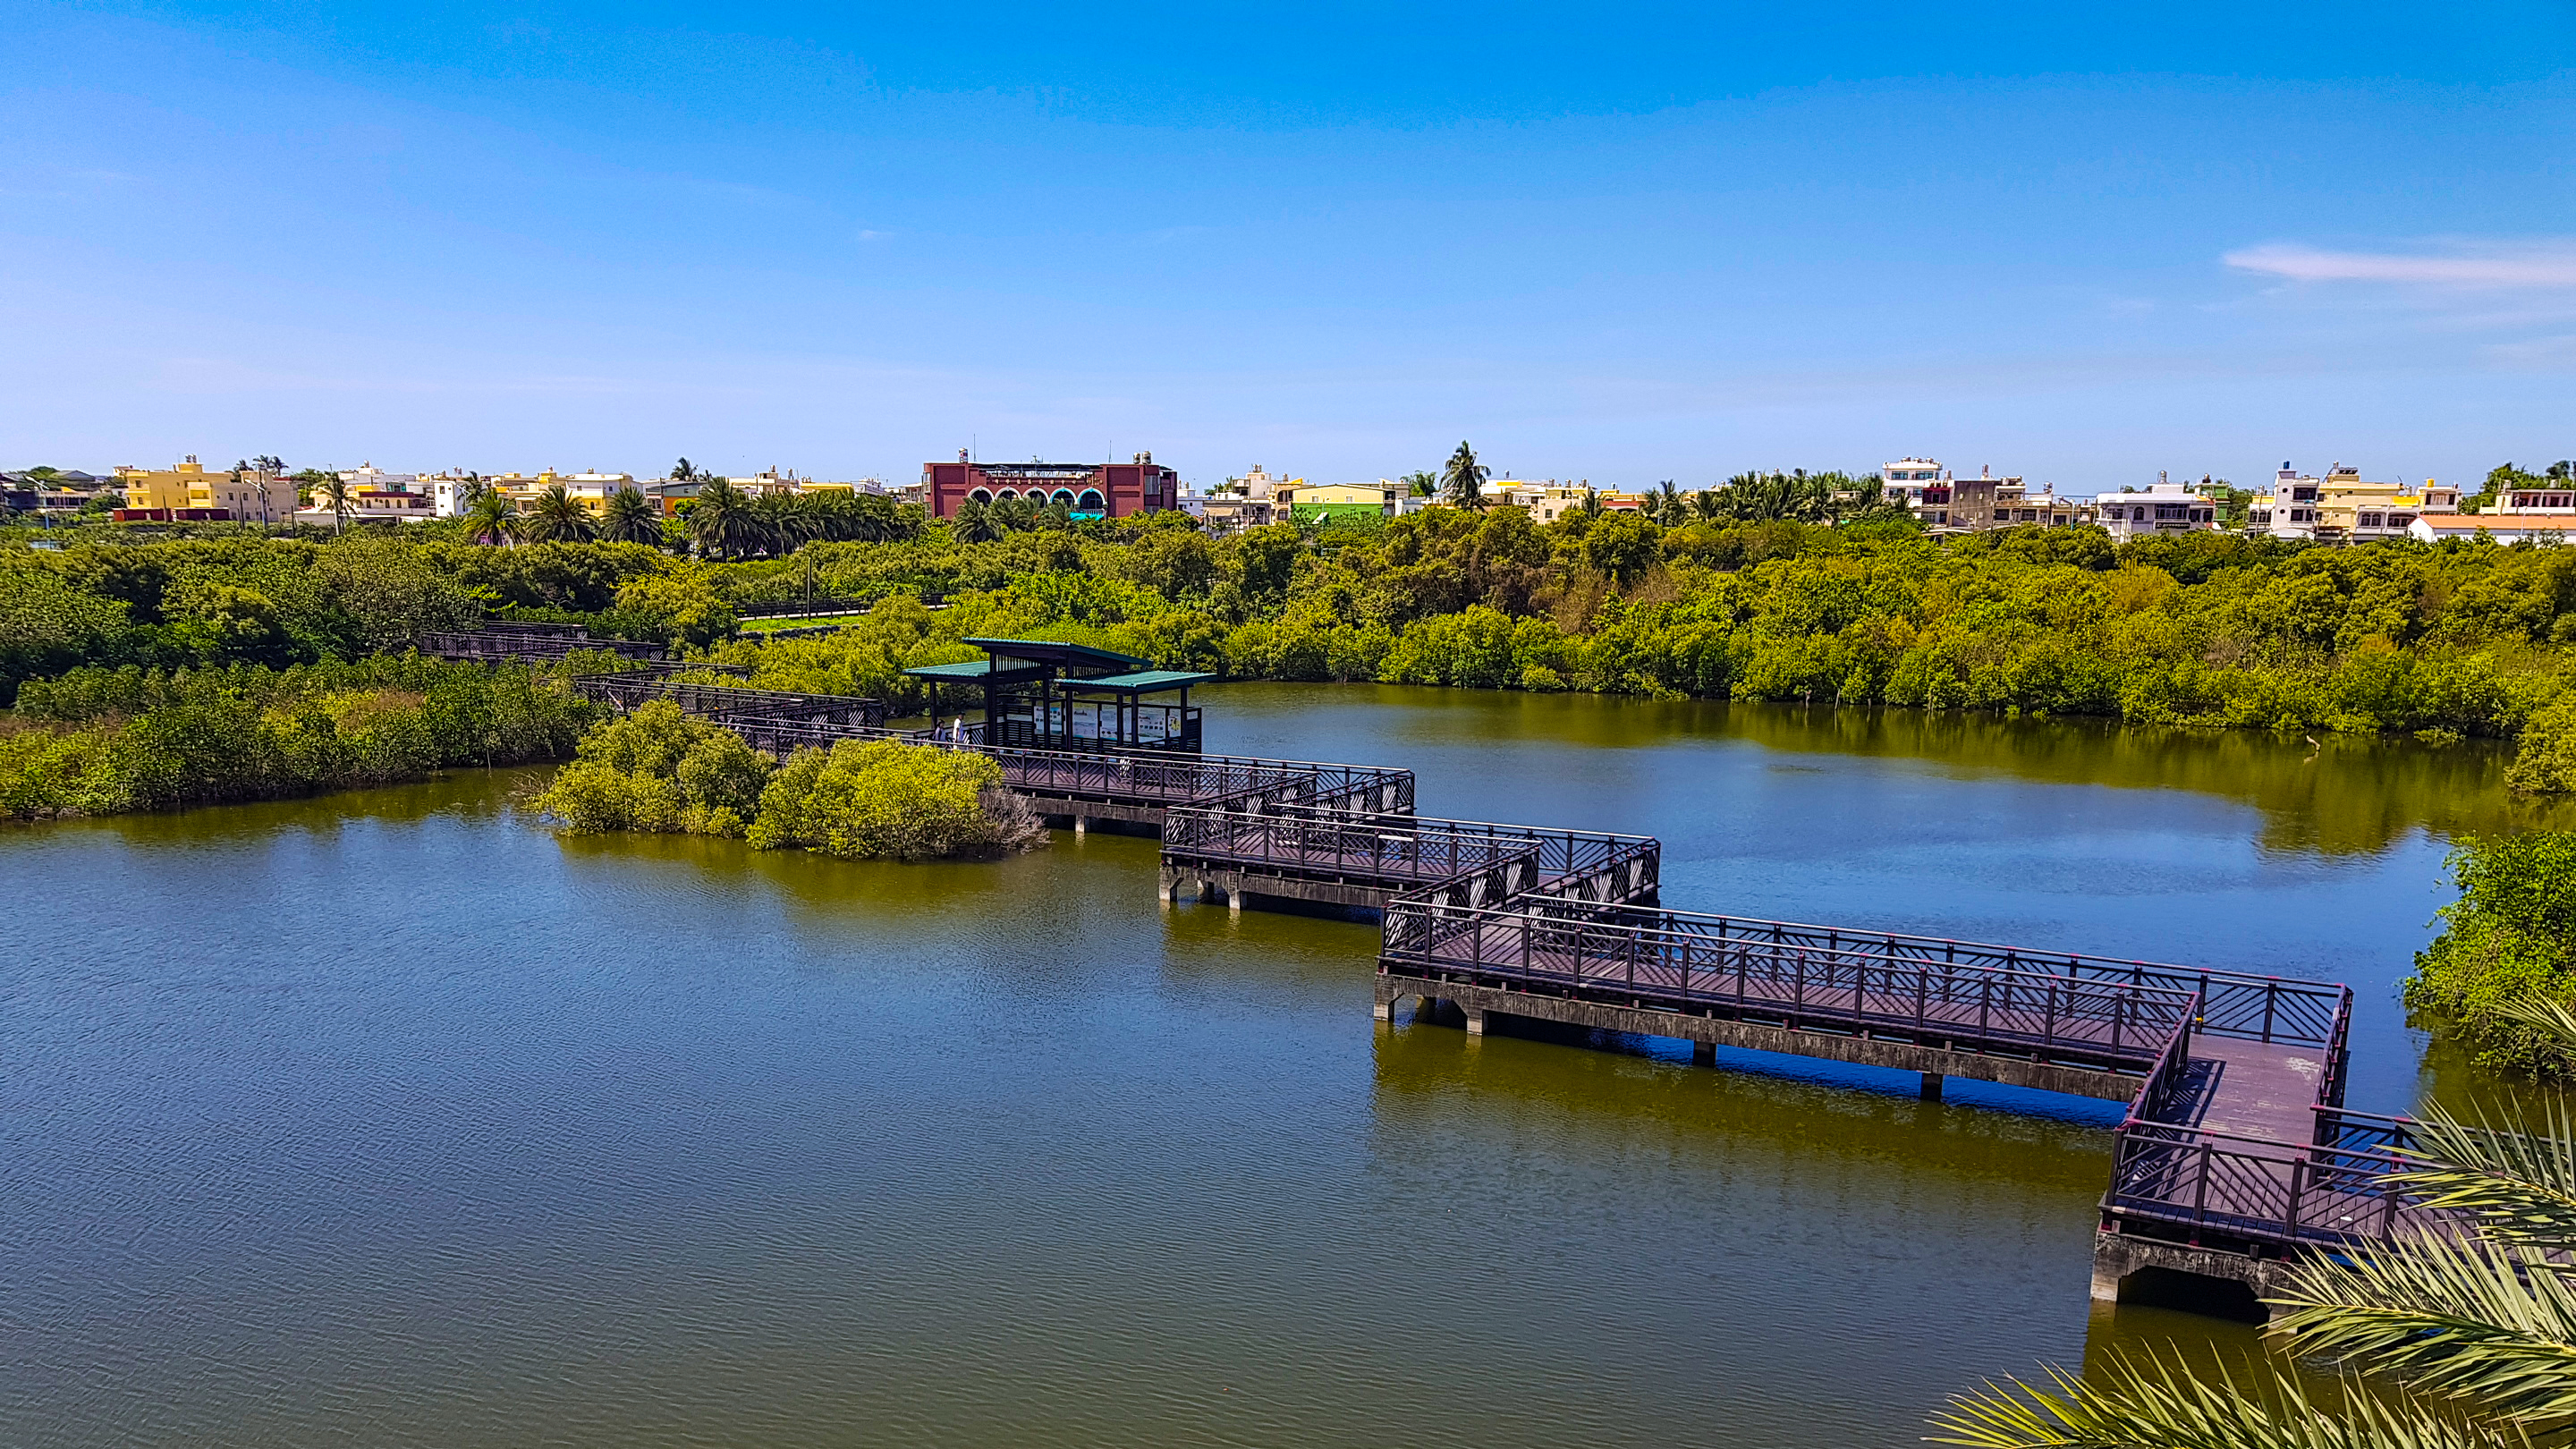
pixel 974 523
pixel 492 518
pixel 1669 509
pixel 721 521
pixel 785 521
pixel 630 517
pixel 334 490
pixel 875 520
pixel 2472 1330
pixel 1420 485
pixel 558 517
pixel 1464 478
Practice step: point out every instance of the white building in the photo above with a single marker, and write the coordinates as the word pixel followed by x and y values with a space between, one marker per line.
pixel 1931 493
pixel 2164 507
pixel 2557 527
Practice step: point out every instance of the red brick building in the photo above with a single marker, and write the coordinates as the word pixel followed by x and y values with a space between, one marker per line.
pixel 1090 490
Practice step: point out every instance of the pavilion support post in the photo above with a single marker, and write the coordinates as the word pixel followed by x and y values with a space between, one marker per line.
pixel 1932 1086
pixel 1082 825
pixel 1170 882
pixel 1475 1023
pixel 1703 1054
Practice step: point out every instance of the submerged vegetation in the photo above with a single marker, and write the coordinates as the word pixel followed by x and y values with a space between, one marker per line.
pixel 657 770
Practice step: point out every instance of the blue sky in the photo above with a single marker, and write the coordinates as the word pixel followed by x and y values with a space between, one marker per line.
pixel 1617 242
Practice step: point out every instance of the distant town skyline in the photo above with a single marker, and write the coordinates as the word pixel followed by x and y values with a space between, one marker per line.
pixel 1625 243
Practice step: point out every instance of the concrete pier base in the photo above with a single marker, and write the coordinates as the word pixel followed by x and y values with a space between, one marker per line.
pixel 1703 1054
pixel 1475 1023
pixel 2207 1280
pixel 1082 825
pixel 1931 1086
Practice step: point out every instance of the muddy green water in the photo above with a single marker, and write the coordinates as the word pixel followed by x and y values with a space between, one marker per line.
pixel 392 1119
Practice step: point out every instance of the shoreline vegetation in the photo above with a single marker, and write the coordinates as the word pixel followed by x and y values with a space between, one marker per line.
pixel 152 673
pixel 2441 641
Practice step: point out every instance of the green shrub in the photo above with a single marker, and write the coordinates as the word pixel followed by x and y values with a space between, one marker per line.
pixel 2510 936
pixel 888 798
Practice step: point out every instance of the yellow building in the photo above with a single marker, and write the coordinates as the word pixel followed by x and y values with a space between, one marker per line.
pixel 590 490
pixel 190 487
pixel 1316 502
pixel 2344 506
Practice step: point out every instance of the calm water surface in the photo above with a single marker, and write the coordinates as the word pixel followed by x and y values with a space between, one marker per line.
pixel 392 1119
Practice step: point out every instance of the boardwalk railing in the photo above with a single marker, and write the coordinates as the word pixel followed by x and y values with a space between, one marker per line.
pixel 542 642
pixel 1455 862
pixel 2234 1004
pixel 1637 956
pixel 721 701
pixel 2222 1189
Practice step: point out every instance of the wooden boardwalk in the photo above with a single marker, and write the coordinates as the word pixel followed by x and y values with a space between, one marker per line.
pixel 2235 1157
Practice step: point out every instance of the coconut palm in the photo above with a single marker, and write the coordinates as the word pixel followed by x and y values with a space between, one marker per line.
pixel 558 517
pixel 974 523
pixel 785 522
pixel 1464 478
pixel 333 491
pixel 1667 505
pixel 630 517
pixel 492 518
pixel 874 519
pixel 2471 1332
pixel 721 521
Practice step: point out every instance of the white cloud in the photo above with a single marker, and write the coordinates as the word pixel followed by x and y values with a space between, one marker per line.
pixel 2488 265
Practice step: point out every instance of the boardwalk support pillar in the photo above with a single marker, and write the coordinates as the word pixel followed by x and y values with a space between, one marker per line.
pixel 1475 1023
pixel 1703 1054
pixel 1932 1086
pixel 1082 825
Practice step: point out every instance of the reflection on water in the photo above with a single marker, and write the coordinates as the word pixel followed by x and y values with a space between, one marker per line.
pixel 391 1118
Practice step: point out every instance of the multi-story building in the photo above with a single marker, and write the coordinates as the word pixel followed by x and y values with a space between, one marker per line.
pixel 1258 484
pixel 188 492
pixel 1943 501
pixel 2549 495
pixel 372 505
pixel 2344 507
pixel 1088 490
pixel 2162 507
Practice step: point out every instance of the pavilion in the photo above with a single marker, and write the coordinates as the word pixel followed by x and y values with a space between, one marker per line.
pixel 1040 694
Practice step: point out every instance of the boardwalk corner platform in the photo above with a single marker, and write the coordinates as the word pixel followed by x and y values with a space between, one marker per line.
pixel 2235 1157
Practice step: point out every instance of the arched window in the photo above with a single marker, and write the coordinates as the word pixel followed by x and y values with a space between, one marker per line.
pixel 1063 496
pixel 1010 493
pixel 982 495
pixel 1090 501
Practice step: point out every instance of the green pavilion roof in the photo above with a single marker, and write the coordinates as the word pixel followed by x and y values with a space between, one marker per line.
pixel 1143 681
pixel 1061 655
pixel 974 670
